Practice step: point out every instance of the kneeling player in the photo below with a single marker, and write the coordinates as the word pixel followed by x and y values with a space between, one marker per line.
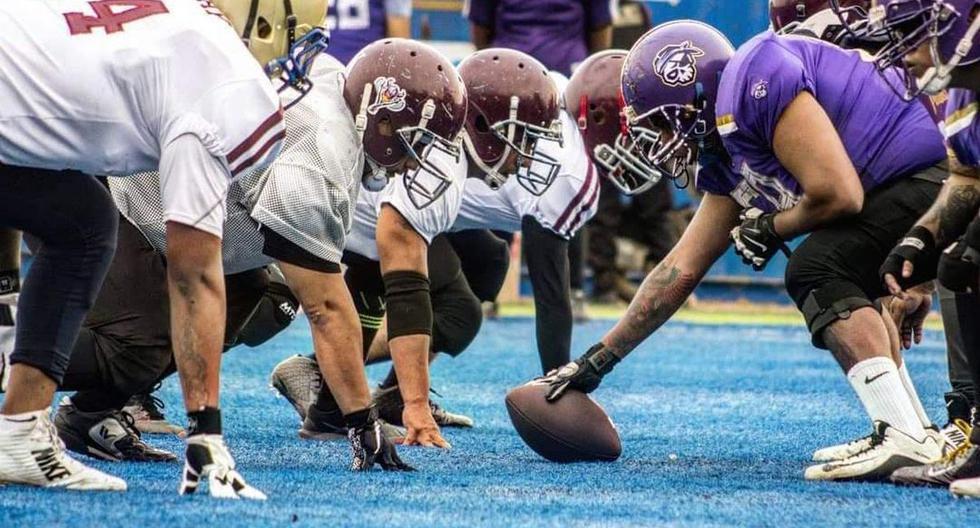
pixel 775 167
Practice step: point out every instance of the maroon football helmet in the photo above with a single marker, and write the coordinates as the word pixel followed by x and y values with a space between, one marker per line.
pixel 408 102
pixel 594 98
pixel 785 14
pixel 512 108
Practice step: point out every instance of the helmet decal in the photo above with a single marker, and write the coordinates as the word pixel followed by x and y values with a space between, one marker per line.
pixel 677 64
pixel 387 94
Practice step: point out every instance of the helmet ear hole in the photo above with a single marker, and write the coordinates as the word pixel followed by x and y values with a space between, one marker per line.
pixel 263 28
pixel 482 126
pixel 599 116
pixel 385 128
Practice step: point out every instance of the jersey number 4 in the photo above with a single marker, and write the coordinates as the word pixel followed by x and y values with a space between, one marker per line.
pixel 112 14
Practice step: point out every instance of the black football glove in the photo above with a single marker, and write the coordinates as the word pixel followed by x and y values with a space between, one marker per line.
pixel 584 374
pixel 756 240
pixel 368 444
pixel 918 247
pixel 959 265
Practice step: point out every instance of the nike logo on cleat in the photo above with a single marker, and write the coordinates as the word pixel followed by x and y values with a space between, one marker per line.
pixel 49 464
pixel 868 380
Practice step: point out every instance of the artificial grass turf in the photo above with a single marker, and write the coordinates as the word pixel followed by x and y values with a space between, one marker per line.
pixel 717 424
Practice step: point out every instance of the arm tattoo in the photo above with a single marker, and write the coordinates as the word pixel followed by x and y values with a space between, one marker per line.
pixel 960 209
pixel 662 293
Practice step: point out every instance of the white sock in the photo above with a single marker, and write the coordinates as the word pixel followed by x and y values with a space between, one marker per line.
pixel 903 374
pixel 879 387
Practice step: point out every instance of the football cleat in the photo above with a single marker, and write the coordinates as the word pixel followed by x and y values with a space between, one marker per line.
pixel 207 459
pixel 963 463
pixel 955 434
pixel 298 379
pixel 842 451
pixel 966 488
pixel 8 314
pixel 147 411
pixel 320 425
pixel 889 450
pixel 390 405
pixel 106 435
pixel 32 454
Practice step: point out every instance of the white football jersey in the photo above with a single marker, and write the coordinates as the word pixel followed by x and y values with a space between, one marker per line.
pixel 563 208
pixel 306 195
pixel 438 217
pixel 104 86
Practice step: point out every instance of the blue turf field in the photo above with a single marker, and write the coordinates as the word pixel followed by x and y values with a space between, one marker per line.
pixel 717 424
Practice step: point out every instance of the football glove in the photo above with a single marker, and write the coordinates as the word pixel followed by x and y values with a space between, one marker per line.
pixel 207 458
pixel 584 374
pixel 918 247
pixel 368 443
pixel 756 240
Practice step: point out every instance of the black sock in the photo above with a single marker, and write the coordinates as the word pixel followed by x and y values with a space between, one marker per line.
pixel 205 421
pixel 9 281
pixel 360 418
pixel 391 380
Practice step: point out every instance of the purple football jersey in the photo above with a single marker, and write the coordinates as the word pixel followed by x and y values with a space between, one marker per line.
pixel 553 31
pixel 885 137
pixel 354 24
pixel 962 130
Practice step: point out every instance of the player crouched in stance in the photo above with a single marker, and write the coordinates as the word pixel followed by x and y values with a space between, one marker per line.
pixel 408 106
pixel 762 126
pixel 508 169
pixel 936 43
pixel 199 123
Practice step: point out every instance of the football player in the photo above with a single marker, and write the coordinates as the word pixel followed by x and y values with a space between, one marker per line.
pixel 525 168
pixel 846 26
pixel 355 24
pixel 936 44
pixel 177 92
pixel 760 127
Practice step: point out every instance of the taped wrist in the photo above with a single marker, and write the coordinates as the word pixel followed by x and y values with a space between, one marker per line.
pixel 408 303
pixel 361 419
pixel 601 359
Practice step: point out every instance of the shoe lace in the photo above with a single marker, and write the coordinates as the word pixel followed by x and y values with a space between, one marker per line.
pixel 955 455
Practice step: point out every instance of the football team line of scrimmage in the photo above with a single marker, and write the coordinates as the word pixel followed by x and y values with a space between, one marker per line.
pixel 168 194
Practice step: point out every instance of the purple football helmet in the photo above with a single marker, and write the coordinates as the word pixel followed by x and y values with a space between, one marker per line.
pixel 947 27
pixel 670 86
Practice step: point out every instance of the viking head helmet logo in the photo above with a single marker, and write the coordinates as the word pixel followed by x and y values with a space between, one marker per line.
pixel 387 94
pixel 677 64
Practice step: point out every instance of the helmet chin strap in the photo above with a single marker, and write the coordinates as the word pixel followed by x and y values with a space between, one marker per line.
pixel 360 120
pixel 937 78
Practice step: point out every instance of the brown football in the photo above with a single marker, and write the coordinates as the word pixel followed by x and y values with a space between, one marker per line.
pixel 572 429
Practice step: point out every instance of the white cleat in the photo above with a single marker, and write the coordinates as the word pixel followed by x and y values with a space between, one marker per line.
pixel 889 449
pixel 966 488
pixel 8 314
pixel 298 379
pixel 842 451
pixel 207 459
pixel 32 454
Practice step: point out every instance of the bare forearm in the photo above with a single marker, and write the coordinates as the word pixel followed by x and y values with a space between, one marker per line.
pixel 810 214
pixel 953 210
pixel 662 293
pixel 197 322
pixel 341 361
pixel 410 356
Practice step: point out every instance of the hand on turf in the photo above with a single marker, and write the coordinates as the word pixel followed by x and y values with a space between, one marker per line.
pixel 421 428
pixel 756 240
pixel 584 374
pixel 207 459
pixel 909 314
pixel 918 245
pixel 369 446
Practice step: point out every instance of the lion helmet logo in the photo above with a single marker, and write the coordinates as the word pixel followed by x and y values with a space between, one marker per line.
pixel 677 64
pixel 387 94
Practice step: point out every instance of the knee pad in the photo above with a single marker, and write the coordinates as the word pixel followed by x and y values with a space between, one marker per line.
pixel 456 323
pixel 829 303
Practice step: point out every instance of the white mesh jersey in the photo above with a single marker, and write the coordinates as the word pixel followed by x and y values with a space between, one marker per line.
pixel 438 217
pixel 563 208
pixel 306 195
pixel 104 86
